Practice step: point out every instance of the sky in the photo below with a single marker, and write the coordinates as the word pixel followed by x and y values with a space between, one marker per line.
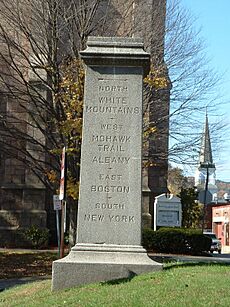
pixel 213 17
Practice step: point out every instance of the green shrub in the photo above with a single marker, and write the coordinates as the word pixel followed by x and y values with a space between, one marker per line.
pixel 148 236
pixel 170 240
pixel 38 237
pixel 176 241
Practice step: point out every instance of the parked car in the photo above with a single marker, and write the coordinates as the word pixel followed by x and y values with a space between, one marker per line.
pixel 216 244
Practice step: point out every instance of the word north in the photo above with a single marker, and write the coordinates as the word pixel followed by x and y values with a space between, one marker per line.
pixel 112 88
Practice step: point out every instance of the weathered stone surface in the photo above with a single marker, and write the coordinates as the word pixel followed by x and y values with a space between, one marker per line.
pixel 97 263
pixel 109 215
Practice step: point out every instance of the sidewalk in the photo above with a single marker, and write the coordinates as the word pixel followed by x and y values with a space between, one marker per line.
pixel 9 283
pixel 212 258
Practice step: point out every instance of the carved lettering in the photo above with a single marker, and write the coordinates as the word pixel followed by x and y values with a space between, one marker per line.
pixel 122 218
pixel 110 189
pixel 94 217
pixel 112 88
pixel 110 148
pixel 111 139
pixel 109 206
pixel 113 100
pixel 111 127
pixel 111 218
pixel 112 110
pixel 111 160
pixel 110 177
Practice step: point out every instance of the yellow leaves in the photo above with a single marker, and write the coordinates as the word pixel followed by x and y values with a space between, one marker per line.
pixel 71 126
pixel 71 151
pixel 56 151
pixel 148 132
pixel 149 164
pixel 68 115
pixel 158 82
pixel 71 98
pixel 72 188
pixel 153 129
pixel 52 176
pixel 157 78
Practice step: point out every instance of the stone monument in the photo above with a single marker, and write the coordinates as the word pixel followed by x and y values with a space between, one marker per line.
pixel 109 216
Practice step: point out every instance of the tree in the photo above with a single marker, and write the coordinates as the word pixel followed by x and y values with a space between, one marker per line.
pixel 180 185
pixel 177 180
pixel 41 82
pixel 41 78
pixel 57 23
pixel 191 209
pixel 192 82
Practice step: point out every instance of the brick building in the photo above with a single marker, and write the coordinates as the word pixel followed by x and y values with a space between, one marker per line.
pixel 24 199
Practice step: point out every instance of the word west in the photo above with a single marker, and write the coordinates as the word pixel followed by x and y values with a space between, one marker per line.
pixel 113 127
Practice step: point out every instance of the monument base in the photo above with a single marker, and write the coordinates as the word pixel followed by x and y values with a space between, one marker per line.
pixel 89 263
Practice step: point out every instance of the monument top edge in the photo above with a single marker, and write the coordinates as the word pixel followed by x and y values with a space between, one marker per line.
pixel 115 41
pixel 116 51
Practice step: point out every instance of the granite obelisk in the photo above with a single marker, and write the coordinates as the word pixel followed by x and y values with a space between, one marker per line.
pixel 109 216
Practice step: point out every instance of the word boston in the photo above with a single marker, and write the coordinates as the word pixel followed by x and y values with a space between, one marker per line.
pixel 109 215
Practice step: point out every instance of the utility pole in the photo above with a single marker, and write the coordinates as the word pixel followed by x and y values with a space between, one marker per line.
pixel 62 198
pixel 205 195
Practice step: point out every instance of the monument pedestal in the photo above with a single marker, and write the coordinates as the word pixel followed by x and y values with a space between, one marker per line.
pixel 110 200
pixel 94 263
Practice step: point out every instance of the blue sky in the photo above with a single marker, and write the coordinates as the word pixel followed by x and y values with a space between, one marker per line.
pixel 213 17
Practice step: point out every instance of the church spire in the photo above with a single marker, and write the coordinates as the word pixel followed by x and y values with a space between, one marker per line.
pixel 206 168
pixel 205 156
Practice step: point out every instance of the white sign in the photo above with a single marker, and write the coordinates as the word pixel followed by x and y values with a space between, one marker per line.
pixel 56 202
pixel 166 218
pixel 167 211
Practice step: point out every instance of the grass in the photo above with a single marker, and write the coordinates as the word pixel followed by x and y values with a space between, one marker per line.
pixel 177 285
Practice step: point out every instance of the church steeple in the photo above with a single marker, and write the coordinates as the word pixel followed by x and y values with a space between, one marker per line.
pixel 206 164
pixel 206 149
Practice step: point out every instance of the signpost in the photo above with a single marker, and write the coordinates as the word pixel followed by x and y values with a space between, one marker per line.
pixel 62 196
pixel 57 207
